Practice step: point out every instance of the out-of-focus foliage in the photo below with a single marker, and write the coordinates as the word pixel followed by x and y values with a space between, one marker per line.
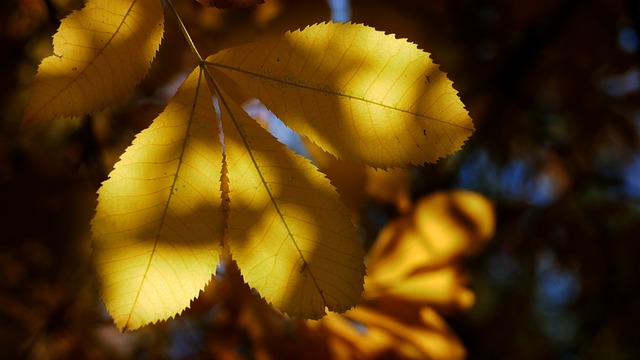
pixel 414 275
pixel 552 88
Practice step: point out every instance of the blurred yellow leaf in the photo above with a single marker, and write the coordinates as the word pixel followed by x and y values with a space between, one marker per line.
pixel 343 330
pixel 390 186
pixel 158 224
pixel 411 282
pixel 99 54
pixel 417 334
pixel 387 331
pixel 287 230
pixel 443 227
pixel 455 223
pixel 358 93
pixel 413 257
pixel 444 287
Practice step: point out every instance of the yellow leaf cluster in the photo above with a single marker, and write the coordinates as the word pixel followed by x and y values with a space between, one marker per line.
pixel 202 175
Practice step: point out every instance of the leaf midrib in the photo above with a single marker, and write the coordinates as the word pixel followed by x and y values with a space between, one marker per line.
pixel 331 92
pixel 171 193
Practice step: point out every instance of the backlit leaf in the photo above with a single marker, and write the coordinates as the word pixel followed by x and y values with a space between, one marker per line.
pixel 99 54
pixel 287 230
pixel 158 224
pixel 358 93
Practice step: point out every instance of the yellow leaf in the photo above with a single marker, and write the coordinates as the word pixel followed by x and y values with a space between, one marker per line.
pixel 443 227
pixel 418 332
pixel 437 287
pixel 158 224
pixel 358 93
pixel 454 224
pixel 287 230
pixel 366 347
pixel 99 54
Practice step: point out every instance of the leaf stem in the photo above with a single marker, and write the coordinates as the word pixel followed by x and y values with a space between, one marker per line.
pixel 185 32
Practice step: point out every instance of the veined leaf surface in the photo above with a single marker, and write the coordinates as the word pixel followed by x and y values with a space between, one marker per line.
pixel 358 93
pixel 158 224
pixel 288 231
pixel 100 53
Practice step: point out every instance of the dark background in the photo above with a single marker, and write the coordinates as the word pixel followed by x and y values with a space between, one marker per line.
pixel 552 87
